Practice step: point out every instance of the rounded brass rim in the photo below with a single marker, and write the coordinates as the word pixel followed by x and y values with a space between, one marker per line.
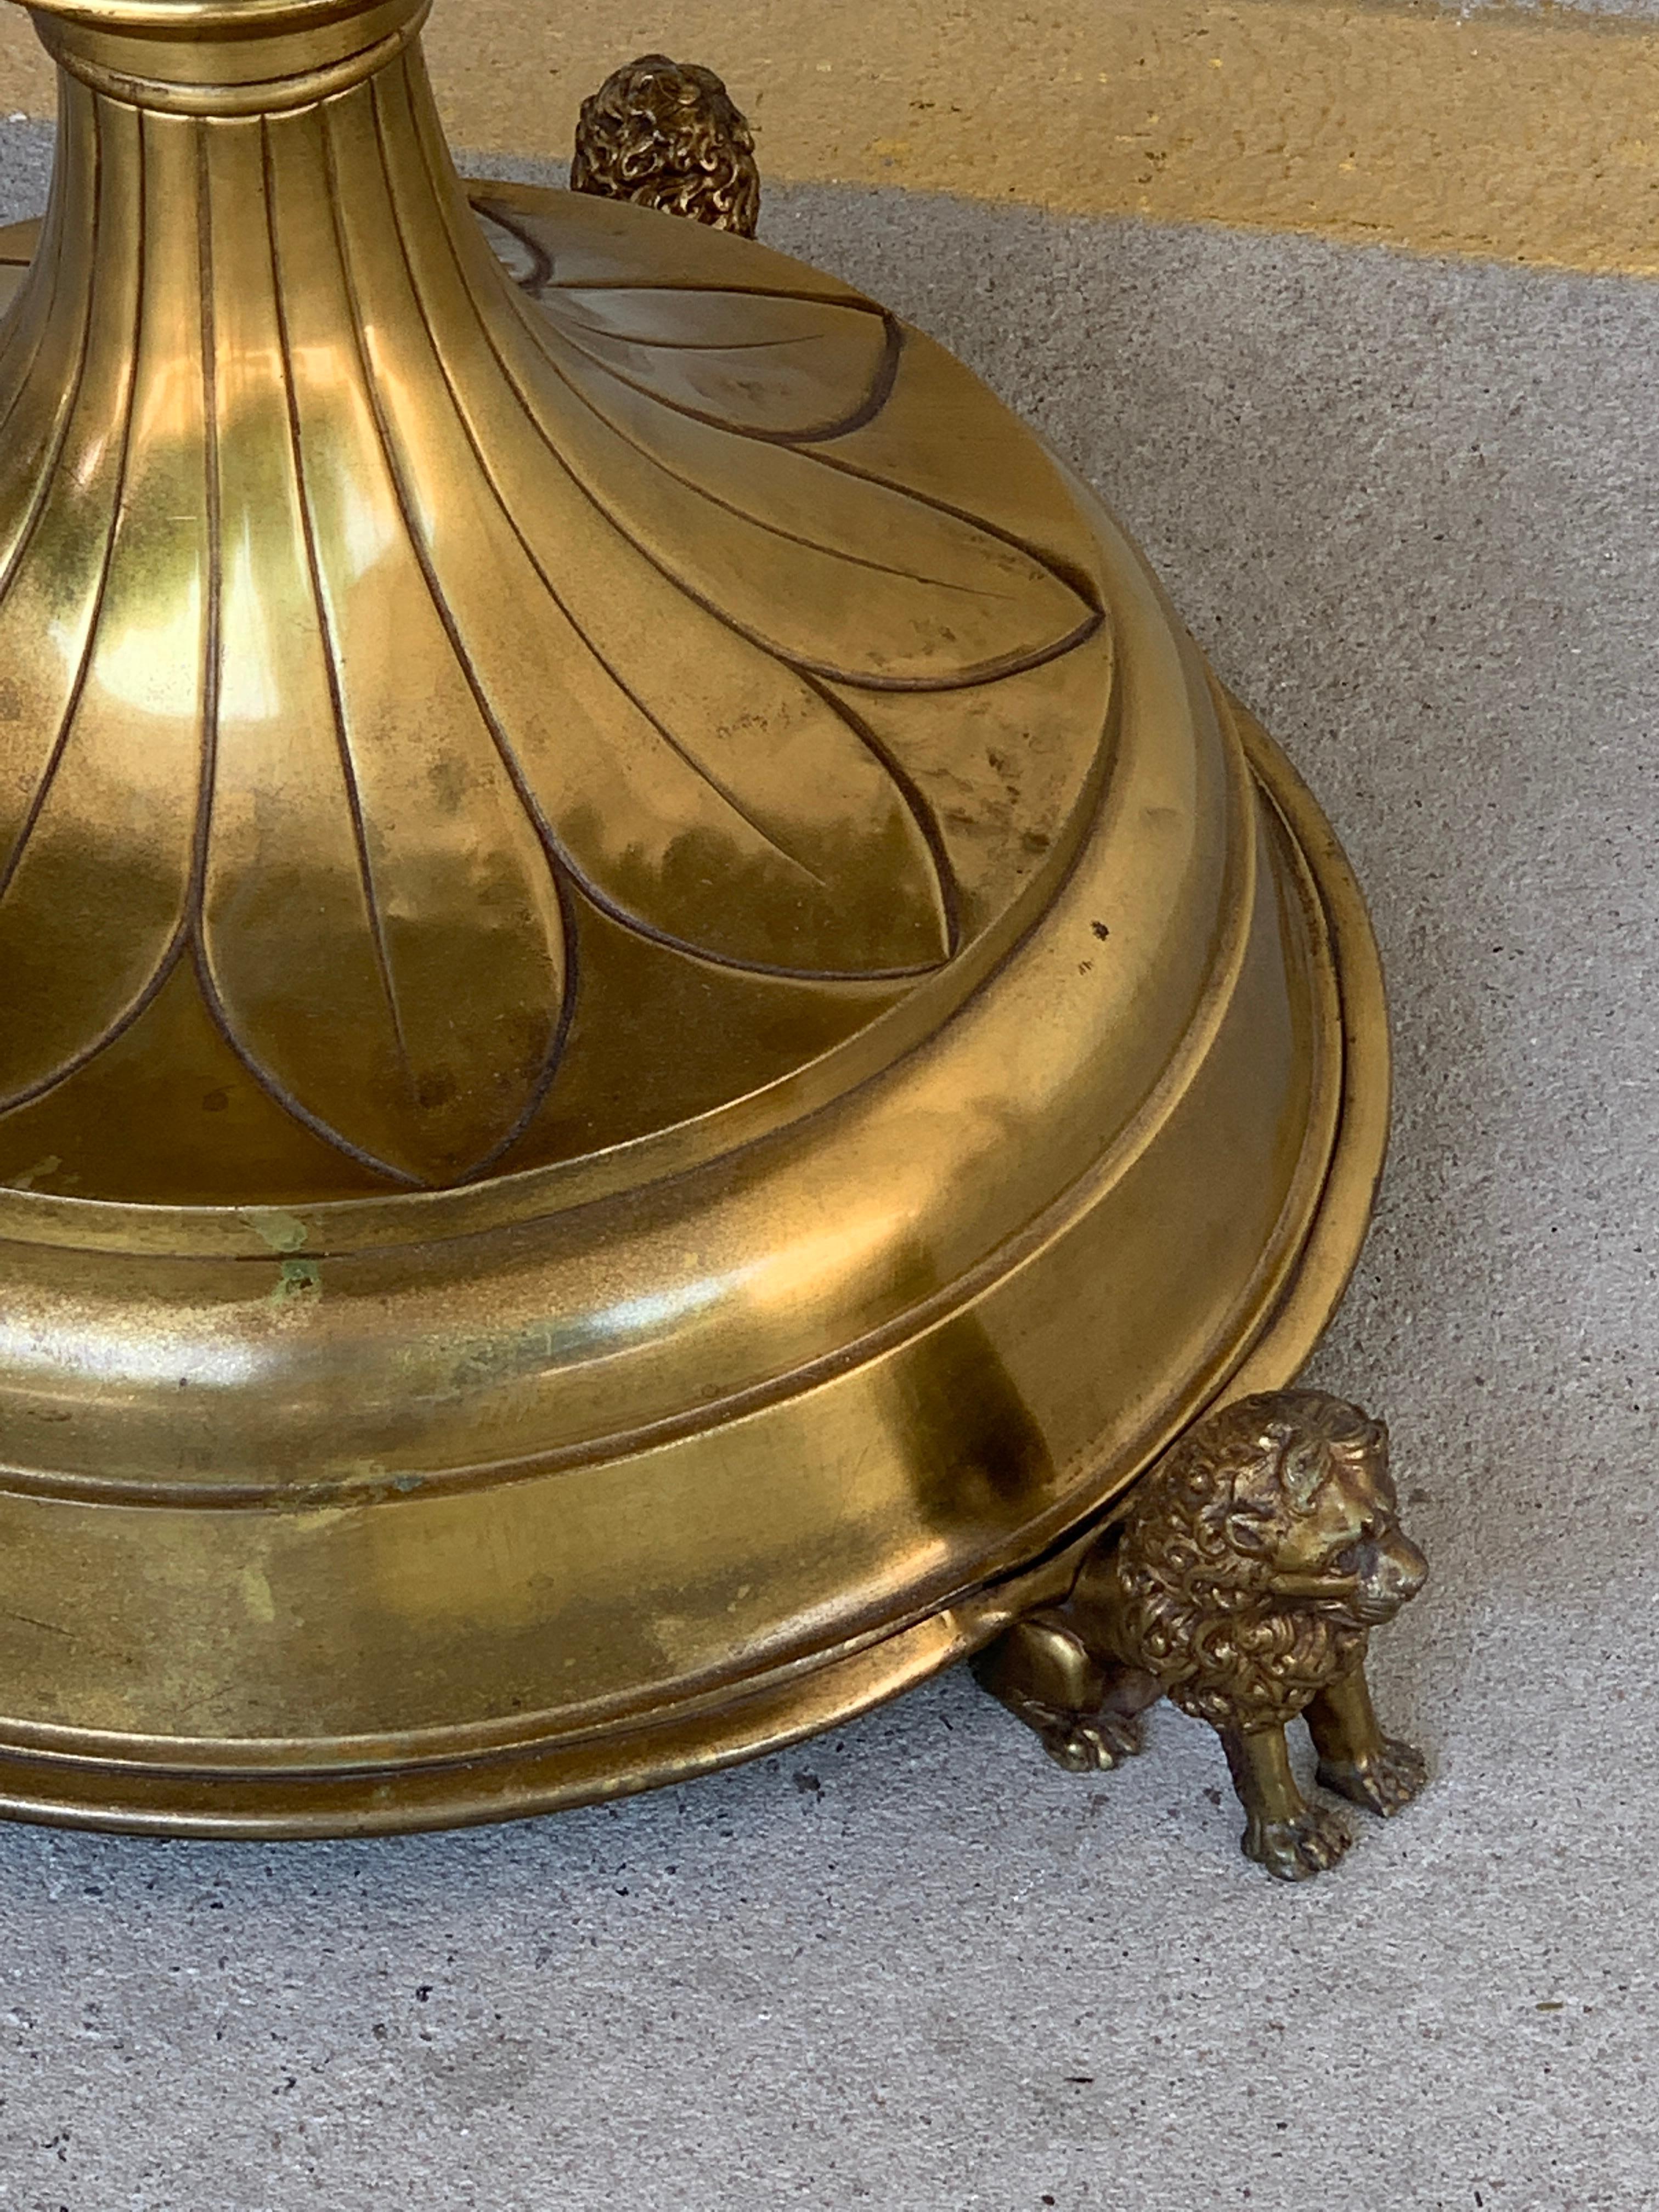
pixel 825 1689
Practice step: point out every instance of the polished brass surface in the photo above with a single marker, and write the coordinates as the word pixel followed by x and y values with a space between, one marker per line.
pixel 657 1028
pixel 1248 1570
pixel 453 739
pixel 666 134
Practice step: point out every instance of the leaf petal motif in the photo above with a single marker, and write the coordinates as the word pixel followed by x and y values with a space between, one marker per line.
pixel 589 241
pixel 842 575
pixel 942 430
pixel 381 935
pixel 695 784
pixel 777 367
pixel 717 389
pixel 380 932
pixel 101 643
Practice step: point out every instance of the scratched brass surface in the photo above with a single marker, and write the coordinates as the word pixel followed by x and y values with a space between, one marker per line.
pixel 655 1025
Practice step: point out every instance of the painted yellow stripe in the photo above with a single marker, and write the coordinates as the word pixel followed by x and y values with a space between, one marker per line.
pixel 1504 136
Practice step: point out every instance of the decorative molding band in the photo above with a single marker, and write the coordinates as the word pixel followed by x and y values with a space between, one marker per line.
pixel 255 96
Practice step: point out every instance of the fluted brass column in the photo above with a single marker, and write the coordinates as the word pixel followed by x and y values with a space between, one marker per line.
pixel 352 638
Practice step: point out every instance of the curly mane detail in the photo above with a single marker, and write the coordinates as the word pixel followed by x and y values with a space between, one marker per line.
pixel 1201 1611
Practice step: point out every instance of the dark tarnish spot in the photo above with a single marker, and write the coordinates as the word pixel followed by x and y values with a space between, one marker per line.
pixel 449 783
pixel 1100 931
pixel 434 1089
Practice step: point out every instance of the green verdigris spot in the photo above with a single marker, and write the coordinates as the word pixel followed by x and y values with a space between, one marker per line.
pixel 285 1233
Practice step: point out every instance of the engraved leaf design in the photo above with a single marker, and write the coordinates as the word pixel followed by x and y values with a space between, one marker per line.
pixel 774 365
pixel 95 863
pixel 403 613
pixel 710 464
pixel 395 960
pixel 694 782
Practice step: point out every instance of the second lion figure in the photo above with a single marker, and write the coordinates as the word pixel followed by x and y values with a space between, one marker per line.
pixel 1251 1568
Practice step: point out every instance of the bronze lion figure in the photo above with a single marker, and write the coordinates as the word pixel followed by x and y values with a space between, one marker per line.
pixel 666 134
pixel 1244 1584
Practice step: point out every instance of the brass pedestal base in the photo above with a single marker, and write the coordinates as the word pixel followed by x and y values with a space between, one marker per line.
pixel 741 1719
pixel 664 1047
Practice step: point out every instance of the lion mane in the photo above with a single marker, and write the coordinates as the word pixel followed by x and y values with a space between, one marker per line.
pixel 1200 1611
pixel 667 136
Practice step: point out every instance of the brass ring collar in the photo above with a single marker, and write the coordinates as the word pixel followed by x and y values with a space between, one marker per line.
pixel 264 58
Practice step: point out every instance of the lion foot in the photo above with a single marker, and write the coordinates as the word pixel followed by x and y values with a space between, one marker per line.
pixel 1294 1850
pixel 1087 1743
pixel 1383 1782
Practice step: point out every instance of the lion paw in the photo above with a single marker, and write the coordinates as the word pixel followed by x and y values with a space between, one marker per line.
pixel 1388 1779
pixel 1294 1850
pixel 1090 1743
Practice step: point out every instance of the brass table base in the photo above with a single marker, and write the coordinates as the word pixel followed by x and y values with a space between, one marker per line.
pixel 743 1719
pixel 666 1057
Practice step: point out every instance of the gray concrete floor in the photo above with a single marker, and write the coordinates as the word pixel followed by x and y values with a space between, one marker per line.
pixel 1643 11
pixel 1413 509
